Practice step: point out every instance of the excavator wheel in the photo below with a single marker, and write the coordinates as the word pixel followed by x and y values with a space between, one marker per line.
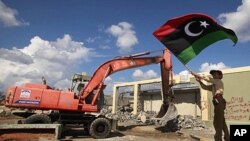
pixel 37 118
pixel 100 128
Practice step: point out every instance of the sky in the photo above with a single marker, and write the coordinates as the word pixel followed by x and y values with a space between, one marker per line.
pixel 57 38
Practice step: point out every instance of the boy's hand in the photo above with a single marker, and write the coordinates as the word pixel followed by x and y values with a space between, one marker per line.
pixel 198 78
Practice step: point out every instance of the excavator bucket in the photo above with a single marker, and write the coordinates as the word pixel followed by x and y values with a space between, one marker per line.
pixel 167 112
pixel 163 110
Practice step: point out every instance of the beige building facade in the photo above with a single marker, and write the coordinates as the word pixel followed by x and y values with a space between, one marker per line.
pixel 190 99
pixel 236 92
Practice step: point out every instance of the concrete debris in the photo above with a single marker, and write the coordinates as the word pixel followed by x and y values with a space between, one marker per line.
pixel 5 112
pixel 171 126
pixel 183 122
pixel 180 122
pixel 122 114
pixel 146 117
pixel 2 112
pixel 166 113
pixel 188 121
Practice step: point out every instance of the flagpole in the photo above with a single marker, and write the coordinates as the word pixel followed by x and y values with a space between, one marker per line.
pixel 189 69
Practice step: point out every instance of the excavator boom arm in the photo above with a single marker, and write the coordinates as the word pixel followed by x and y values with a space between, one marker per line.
pixel 119 64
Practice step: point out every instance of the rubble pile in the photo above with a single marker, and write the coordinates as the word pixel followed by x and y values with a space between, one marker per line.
pixel 183 122
pixel 122 114
pixel 4 112
pixel 188 121
pixel 125 114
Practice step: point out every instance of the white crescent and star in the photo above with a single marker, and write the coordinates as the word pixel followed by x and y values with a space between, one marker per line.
pixel 192 34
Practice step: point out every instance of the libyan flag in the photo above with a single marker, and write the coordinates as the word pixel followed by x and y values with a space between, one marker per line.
pixel 188 35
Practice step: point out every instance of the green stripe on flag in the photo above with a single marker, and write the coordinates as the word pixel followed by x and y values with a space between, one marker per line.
pixel 186 55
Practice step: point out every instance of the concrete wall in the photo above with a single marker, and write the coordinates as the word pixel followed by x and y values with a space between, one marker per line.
pixel 151 102
pixel 136 89
pixel 188 103
pixel 237 94
pixel 183 100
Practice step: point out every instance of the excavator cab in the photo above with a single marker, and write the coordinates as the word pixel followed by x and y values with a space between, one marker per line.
pixel 79 81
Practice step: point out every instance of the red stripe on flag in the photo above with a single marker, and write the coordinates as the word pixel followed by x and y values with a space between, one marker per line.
pixel 174 23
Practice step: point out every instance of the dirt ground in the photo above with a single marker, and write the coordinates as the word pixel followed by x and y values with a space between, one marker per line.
pixel 14 136
pixel 131 132
pixel 124 132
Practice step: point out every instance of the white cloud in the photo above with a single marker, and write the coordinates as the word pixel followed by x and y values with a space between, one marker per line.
pixel 104 47
pixel 185 72
pixel 108 79
pixel 125 34
pixel 16 55
pixel 109 85
pixel 58 51
pixel 56 60
pixel 63 84
pixel 184 76
pixel 92 39
pixel 238 21
pixel 8 16
pixel 140 75
pixel 205 67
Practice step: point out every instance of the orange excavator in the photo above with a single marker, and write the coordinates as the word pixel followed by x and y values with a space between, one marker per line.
pixel 81 106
